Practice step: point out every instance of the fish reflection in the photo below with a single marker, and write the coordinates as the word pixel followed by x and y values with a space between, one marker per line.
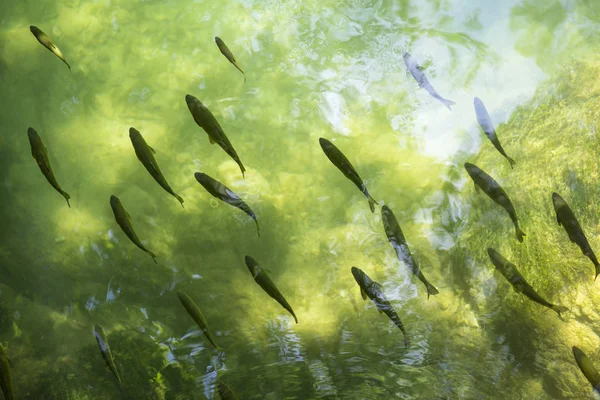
pixel 417 72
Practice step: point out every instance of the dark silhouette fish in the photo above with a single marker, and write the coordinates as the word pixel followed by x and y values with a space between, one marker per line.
pixel 512 275
pixel 145 154
pixel 338 159
pixel 228 54
pixel 566 218
pixel 398 242
pixel 493 190
pixel 417 72
pixel 260 276
pixel 485 122
pixel 48 43
pixel 106 353
pixel 223 193
pixel 40 154
pixel 5 377
pixel 225 393
pixel 588 369
pixel 197 316
pixel 374 290
pixel 208 122
pixel 124 220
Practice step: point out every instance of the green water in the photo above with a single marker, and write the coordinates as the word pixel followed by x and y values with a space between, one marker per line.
pixel 330 69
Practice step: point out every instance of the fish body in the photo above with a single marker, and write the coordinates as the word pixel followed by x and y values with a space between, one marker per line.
pixel 228 54
pixel 512 275
pixel 487 126
pixel 106 353
pixel 225 393
pixel 48 43
pixel 145 154
pixel 124 220
pixel 40 154
pixel 342 163
pixel 588 369
pixel 493 190
pixel 264 281
pixel 197 316
pixel 5 377
pixel 566 218
pixel 417 72
pixel 209 123
pixel 374 290
pixel 223 193
pixel 398 242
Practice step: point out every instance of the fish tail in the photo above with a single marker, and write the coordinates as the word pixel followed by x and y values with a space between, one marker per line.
pixel 406 340
pixel 257 227
pixel 294 315
pixel 511 161
pixel 559 309
pixel 431 290
pixel 597 266
pixel 242 168
pixel 67 64
pixel 178 197
pixel 520 234
pixel 372 203
pixel 67 197
pixel 152 255
pixel 447 103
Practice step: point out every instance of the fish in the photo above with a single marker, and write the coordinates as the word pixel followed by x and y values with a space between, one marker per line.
pixel 40 154
pixel 228 54
pixel 398 242
pixel 338 159
pixel 512 275
pixel 225 393
pixel 493 190
pixel 566 218
pixel 197 316
pixel 48 43
pixel 588 369
pixel 124 220
pixel 223 193
pixel 145 154
pixel 485 122
pixel 106 353
pixel 417 72
pixel 374 290
pixel 209 123
pixel 5 377
pixel 262 278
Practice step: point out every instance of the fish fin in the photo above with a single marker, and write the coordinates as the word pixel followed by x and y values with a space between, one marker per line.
pixel 152 150
pixel 431 290
pixel 211 140
pixel 447 103
pixel 420 68
pixel 476 187
pixel 558 219
pixel 67 197
pixel 511 161
pixel 363 294
pixel 559 309
pixel 520 234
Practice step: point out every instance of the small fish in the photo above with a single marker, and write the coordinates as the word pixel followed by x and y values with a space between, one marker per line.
pixel 40 153
pixel 228 54
pixel 398 242
pixel 485 122
pixel 588 369
pixel 374 291
pixel 417 72
pixel 493 190
pixel 566 218
pixel 338 159
pixel 5 378
pixel 124 220
pixel 197 316
pixel 48 43
pixel 223 193
pixel 106 353
pixel 512 275
pixel 225 393
pixel 145 154
pixel 208 122
pixel 260 276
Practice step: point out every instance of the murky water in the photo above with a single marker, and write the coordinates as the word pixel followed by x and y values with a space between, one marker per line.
pixel 331 69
